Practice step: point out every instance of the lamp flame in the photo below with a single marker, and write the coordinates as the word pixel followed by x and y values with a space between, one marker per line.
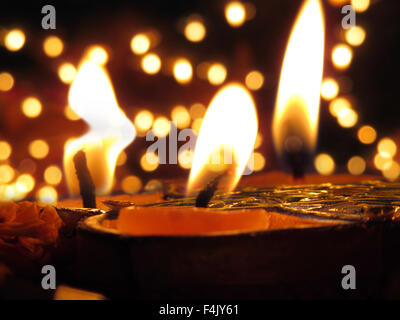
pixel 92 97
pixel 295 121
pixel 226 138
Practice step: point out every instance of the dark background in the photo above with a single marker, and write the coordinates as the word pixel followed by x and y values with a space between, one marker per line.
pixel 372 79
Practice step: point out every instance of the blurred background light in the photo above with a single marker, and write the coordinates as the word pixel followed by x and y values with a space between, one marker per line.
pixel 47 194
pixel 31 107
pixel 121 160
pixel 67 72
pixel 185 158
pixel 347 118
pixel 144 120
pixel 131 184
pixel 151 63
pixel 5 150
pixel 195 31
pixel 6 81
pixel 342 55
pixel 70 114
pixel 254 80
pixel 216 74
pixel 38 149
pixel 149 161
pixel 329 89
pixel 235 13
pixel 140 44
pixel 14 40
pixel 366 134
pixel 356 165
pixel 324 164
pixel 53 175
pixel 98 55
pixel 387 147
pixel 183 71
pixel 53 46
pixel 355 36
pixel 360 5
pixel 182 117
pixel 338 104
pixel 6 173
pixel 161 126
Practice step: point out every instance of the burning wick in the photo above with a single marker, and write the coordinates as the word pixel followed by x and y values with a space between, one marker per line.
pixel 86 185
pixel 296 156
pixel 207 193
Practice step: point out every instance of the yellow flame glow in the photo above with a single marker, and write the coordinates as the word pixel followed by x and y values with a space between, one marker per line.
pixel 92 97
pixel 230 125
pixel 297 106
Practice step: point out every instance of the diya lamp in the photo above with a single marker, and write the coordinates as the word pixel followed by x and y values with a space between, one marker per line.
pixel 256 242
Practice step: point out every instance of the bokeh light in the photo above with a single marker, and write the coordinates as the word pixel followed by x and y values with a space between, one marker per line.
pixel 149 161
pixel 324 164
pixel 182 117
pixel 161 126
pixel 329 89
pixel 47 194
pixel 144 120
pixel 216 74
pixel 338 104
pixel 53 46
pixel 98 55
pixel 380 162
pixel 7 173
pixel 347 118
pixel 235 13
pixel 342 55
pixel 196 124
pixel 254 80
pixel 14 40
pixel 121 160
pixel 197 110
pixel 31 107
pixel 356 165
pixel 27 166
pixel 131 184
pixel 387 147
pixel 5 150
pixel 338 3
pixel 38 149
pixel 259 140
pixel 366 134
pixel 53 175
pixel 153 185
pixel 258 161
pixel 195 31
pixel 355 36
pixel 360 5
pixel 67 72
pixel 391 171
pixel 185 158
pixel 183 71
pixel 140 44
pixel 151 63
pixel 6 81
pixel 70 114
pixel 25 183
